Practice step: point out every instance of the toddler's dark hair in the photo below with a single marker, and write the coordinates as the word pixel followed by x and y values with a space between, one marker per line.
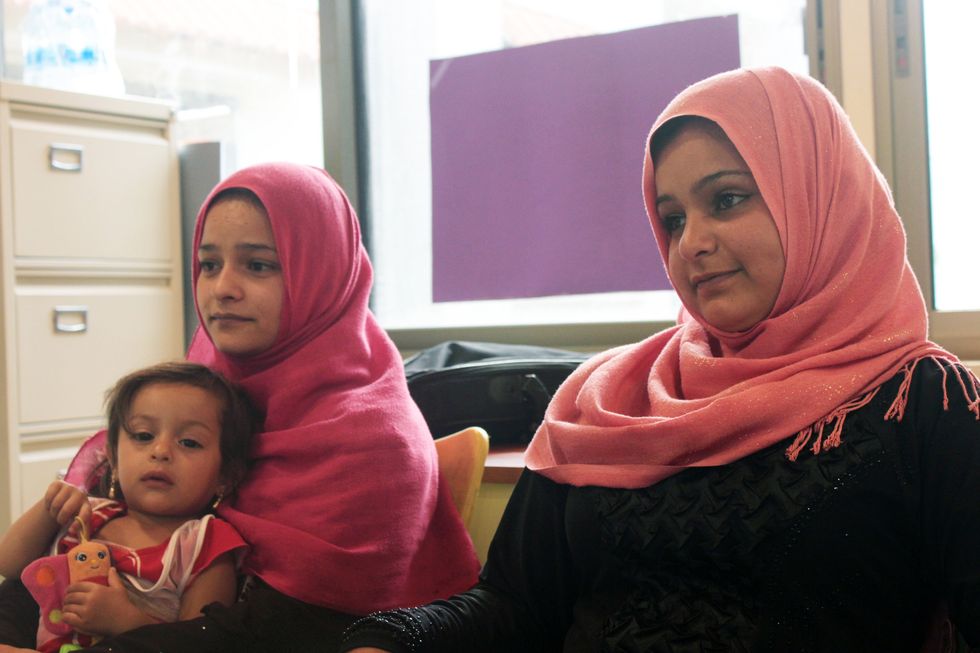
pixel 240 420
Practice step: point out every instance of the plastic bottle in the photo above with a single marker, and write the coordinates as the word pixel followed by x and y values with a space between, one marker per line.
pixel 70 44
pixel 40 55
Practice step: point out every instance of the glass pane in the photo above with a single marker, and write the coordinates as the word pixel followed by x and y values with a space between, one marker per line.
pixel 246 73
pixel 399 41
pixel 950 110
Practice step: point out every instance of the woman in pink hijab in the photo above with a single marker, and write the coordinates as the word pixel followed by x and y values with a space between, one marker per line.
pixel 793 467
pixel 342 506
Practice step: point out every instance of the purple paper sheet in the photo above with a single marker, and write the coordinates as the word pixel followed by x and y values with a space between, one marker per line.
pixel 537 155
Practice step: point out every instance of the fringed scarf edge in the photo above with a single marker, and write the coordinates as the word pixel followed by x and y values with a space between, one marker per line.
pixel 822 441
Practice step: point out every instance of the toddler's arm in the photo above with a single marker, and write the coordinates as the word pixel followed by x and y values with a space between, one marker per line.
pixel 29 536
pixel 216 583
pixel 106 610
pixel 102 609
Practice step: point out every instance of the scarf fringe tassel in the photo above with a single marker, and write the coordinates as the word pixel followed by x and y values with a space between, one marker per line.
pixel 822 441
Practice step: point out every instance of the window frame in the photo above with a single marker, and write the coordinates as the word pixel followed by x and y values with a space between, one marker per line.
pixel 903 156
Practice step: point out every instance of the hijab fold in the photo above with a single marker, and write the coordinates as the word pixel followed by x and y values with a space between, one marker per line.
pixel 849 314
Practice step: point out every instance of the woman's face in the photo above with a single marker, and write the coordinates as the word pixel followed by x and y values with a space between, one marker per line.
pixel 725 257
pixel 240 287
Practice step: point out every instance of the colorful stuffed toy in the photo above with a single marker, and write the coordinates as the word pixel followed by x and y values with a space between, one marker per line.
pixel 47 579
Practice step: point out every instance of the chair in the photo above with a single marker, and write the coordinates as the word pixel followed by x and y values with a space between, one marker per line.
pixel 462 456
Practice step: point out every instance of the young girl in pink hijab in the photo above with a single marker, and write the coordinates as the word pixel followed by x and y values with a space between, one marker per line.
pixel 793 467
pixel 342 507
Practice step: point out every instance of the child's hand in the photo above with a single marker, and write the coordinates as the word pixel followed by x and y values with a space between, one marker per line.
pixel 95 609
pixel 64 502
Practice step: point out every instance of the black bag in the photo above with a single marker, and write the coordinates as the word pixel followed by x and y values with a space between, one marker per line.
pixel 502 388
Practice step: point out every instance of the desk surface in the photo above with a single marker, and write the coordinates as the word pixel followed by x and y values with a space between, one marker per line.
pixel 504 465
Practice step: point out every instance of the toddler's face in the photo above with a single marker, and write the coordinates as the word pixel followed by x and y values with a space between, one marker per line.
pixel 169 454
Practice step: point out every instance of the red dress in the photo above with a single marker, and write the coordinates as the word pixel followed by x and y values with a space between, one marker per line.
pixel 155 576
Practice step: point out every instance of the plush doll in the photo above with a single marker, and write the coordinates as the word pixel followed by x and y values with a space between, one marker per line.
pixel 47 579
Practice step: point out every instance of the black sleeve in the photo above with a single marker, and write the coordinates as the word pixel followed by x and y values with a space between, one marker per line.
pixel 943 407
pixel 522 603
pixel 266 620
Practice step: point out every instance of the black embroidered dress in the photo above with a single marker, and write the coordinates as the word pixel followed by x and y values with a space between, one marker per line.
pixel 849 550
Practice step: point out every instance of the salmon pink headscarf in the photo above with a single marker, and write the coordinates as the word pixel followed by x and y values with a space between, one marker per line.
pixel 342 505
pixel 849 314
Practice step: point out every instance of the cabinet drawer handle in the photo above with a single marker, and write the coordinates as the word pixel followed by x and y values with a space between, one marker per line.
pixel 70 319
pixel 72 152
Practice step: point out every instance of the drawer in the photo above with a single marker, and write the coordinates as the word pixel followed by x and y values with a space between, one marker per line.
pixel 39 468
pixel 91 192
pixel 64 374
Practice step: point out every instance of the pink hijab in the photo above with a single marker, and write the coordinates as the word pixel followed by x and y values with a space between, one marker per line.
pixel 342 505
pixel 848 317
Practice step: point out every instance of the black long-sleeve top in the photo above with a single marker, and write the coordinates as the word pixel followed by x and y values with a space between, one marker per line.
pixel 856 549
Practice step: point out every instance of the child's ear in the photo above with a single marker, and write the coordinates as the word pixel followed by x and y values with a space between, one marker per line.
pixel 110 458
pixel 108 479
pixel 225 487
pixel 220 492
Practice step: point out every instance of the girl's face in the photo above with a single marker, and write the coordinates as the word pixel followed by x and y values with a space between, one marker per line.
pixel 240 287
pixel 725 257
pixel 168 457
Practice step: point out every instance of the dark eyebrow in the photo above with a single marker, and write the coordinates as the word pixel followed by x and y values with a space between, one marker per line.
pixel 704 181
pixel 243 246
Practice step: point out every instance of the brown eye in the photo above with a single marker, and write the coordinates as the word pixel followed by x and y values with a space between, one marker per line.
pixel 729 199
pixel 673 222
pixel 263 266
pixel 140 436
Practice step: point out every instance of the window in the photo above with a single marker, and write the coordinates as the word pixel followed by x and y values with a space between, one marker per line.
pixel 924 112
pixel 398 41
pixel 246 73
pixel 950 140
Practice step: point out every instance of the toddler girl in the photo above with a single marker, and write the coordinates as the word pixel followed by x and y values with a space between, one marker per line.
pixel 178 440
